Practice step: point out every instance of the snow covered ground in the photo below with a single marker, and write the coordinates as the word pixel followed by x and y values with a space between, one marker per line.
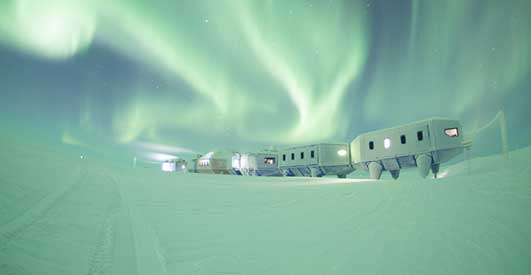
pixel 60 214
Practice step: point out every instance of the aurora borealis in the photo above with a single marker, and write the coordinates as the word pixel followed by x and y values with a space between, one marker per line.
pixel 202 74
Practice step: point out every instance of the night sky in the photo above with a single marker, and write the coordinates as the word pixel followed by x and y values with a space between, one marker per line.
pixel 190 76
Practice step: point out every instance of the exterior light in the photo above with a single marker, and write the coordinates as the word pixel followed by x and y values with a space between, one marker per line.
pixel 342 152
pixel 168 166
pixel 387 143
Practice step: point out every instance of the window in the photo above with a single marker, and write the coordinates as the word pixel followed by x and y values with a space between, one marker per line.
pixel 452 132
pixel 269 160
pixel 292 156
pixel 420 135
pixel 302 155
pixel 387 143
pixel 284 157
pixel 371 145
pixel 312 154
pixel 403 139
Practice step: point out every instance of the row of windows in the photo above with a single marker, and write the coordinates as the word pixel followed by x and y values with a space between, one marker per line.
pixel 450 132
pixel 403 140
pixel 204 162
pixel 312 155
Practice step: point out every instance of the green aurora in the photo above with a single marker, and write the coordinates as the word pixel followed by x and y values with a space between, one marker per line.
pixel 223 73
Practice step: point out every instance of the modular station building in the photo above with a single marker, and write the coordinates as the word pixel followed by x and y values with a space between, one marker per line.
pixel 316 160
pixel 424 144
pixel 257 164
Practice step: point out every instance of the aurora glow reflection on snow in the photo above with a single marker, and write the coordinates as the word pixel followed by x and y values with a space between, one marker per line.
pixel 277 71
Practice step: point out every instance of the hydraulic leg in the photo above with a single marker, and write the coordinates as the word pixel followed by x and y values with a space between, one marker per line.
pixel 395 174
pixel 375 170
pixel 435 169
pixel 423 164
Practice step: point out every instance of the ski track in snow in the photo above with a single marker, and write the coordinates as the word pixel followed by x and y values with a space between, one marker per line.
pixel 149 258
pixel 101 261
pixel 160 224
pixel 15 227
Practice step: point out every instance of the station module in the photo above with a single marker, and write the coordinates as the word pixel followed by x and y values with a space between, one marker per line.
pixel 423 144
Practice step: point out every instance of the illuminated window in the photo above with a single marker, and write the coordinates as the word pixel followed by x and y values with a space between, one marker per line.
pixel 371 145
pixel 452 132
pixel 292 156
pixel 269 160
pixel 420 135
pixel 403 139
pixel 387 143
pixel 284 157
pixel 312 154
pixel 342 152
pixel 302 155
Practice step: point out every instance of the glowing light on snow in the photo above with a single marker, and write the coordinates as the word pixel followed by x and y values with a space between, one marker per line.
pixel 342 152
pixel 442 174
pixel 168 166
pixel 160 156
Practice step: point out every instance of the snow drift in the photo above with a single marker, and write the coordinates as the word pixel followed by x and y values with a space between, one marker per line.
pixel 61 214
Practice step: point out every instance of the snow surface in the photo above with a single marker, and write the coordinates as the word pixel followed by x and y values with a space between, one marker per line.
pixel 60 214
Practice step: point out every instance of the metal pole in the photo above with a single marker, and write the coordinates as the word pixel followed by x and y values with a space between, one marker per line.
pixel 503 132
pixel 468 162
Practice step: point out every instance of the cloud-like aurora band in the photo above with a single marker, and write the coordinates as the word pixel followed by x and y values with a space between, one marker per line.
pixel 282 71
pixel 232 54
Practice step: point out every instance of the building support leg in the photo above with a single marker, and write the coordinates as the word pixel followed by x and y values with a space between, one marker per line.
pixel 313 172
pixel 395 174
pixel 435 169
pixel 375 170
pixel 423 164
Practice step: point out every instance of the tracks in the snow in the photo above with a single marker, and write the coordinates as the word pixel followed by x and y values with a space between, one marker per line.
pixel 12 229
pixel 149 258
pixel 102 258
